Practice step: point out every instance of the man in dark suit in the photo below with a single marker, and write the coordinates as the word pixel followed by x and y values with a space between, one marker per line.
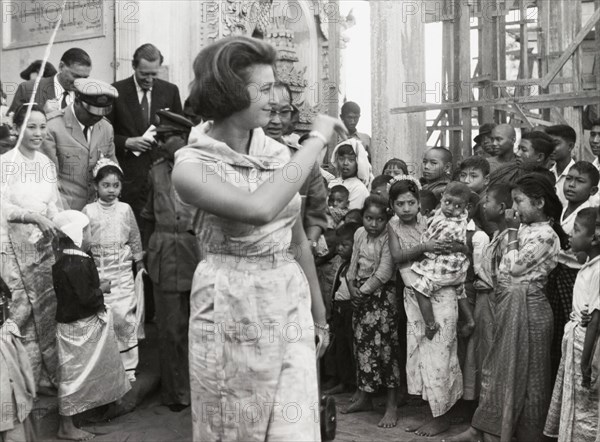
pixel 56 92
pixel 140 96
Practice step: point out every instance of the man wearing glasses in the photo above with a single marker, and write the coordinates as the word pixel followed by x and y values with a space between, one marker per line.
pixel 313 192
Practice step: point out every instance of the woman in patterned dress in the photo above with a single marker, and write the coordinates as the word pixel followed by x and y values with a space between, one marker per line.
pixel 516 384
pixel 255 301
pixel 30 200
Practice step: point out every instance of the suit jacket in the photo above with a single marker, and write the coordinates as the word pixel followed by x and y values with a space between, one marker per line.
pixel 75 158
pixel 44 93
pixel 127 121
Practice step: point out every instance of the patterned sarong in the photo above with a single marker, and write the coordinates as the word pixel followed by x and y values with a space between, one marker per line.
pixel 573 413
pixel 516 379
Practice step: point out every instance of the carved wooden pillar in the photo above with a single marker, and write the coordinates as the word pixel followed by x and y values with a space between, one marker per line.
pixel 398 80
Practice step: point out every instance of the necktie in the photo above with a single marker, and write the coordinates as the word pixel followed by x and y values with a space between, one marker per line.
pixel 145 110
pixel 86 131
pixel 63 103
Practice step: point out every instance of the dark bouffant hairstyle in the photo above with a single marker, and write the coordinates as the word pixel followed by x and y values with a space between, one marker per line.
pixel 19 116
pixel 346 232
pixel 106 171
pixel 477 163
pixel 501 193
pixel 221 75
pixel 459 190
pixel 381 180
pixel 402 187
pixel 377 201
pixel 563 131
pixel 536 185
pixel 396 162
pixel 587 168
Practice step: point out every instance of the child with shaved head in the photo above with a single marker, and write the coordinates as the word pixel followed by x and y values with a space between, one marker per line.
pixel 437 165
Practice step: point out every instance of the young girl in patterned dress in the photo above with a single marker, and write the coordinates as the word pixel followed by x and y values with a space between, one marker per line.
pixel 432 367
pixel 375 311
pixel 114 239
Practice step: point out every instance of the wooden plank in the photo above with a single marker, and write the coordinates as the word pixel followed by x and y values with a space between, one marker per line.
pixel 464 35
pixel 568 99
pixel 568 52
pixel 435 124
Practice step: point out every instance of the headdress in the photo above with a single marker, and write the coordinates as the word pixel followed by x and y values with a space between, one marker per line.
pixel 103 162
pixel 399 178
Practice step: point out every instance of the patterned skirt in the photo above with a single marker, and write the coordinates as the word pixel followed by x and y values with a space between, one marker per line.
pixel 253 368
pixel 516 383
pixel 573 413
pixel 27 270
pixel 560 294
pixel 432 368
pixel 376 344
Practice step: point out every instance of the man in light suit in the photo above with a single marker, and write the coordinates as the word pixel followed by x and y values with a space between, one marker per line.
pixel 140 96
pixel 78 136
pixel 56 92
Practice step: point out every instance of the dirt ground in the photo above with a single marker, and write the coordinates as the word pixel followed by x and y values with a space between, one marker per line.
pixel 151 421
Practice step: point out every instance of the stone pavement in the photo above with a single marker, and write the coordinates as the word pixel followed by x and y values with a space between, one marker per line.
pixel 151 421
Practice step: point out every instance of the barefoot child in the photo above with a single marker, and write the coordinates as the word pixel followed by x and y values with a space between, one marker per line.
pixel 404 232
pixel 375 310
pixel 114 239
pixel 437 293
pixel 90 372
pixel 573 413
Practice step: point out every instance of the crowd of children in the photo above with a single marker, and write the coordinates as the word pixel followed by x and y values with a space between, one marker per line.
pixel 476 285
pixel 476 289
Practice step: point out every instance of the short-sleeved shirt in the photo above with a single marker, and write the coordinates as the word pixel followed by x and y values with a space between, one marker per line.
pixel 586 291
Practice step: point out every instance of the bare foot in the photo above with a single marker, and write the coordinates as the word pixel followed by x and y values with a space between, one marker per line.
pixel 414 426
pixel 362 403
pixel 436 426
pixel 337 389
pixel 68 430
pixel 390 418
pixel 355 396
pixel 471 435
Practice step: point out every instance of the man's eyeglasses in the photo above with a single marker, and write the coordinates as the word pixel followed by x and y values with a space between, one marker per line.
pixel 283 113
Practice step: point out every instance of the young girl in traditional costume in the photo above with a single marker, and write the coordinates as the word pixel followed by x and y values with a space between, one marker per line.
pixel 90 372
pixel 516 384
pixel 375 311
pixel 432 366
pixel 114 239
